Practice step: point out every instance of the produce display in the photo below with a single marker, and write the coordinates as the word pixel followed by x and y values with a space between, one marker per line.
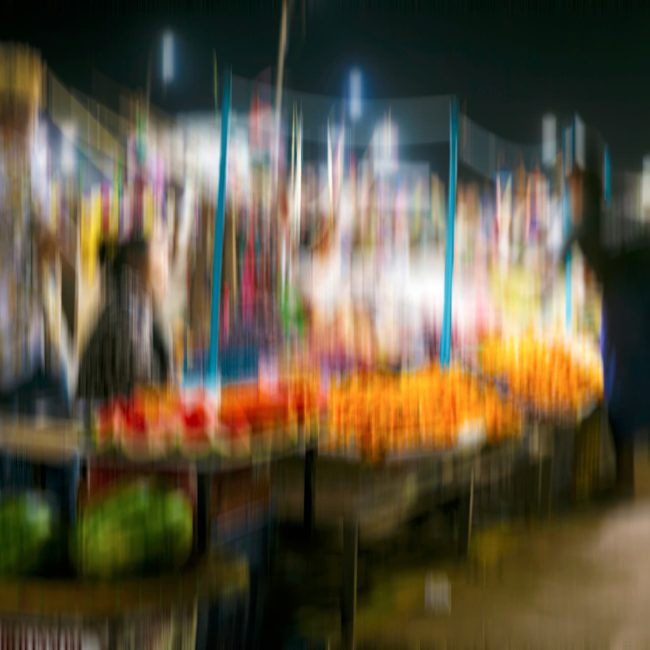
pixel 155 423
pixel 252 408
pixel 377 415
pixel 142 526
pixel 28 532
pixel 550 376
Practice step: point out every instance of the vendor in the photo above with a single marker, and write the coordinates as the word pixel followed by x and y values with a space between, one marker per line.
pixel 127 347
pixel 623 272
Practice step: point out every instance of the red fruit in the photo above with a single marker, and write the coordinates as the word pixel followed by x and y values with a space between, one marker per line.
pixel 196 417
pixel 136 423
pixel 198 423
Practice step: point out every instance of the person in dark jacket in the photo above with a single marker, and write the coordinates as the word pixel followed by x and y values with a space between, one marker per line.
pixel 126 348
pixel 623 272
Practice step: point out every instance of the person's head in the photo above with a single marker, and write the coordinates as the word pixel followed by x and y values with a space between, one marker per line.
pixel 586 191
pixel 136 256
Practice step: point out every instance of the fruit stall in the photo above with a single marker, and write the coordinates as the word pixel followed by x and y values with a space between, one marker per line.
pixel 400 351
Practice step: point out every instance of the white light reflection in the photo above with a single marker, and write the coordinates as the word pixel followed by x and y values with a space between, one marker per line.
pixel 168 57
pixel 355 94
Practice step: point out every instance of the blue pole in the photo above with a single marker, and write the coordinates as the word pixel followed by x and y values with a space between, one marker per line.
pixel 445 338
pixel 566 220
pixel 607 176
pixel 217 256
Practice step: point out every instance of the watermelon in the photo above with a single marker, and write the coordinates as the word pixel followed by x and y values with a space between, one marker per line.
pixel 29 527
pixel 142 526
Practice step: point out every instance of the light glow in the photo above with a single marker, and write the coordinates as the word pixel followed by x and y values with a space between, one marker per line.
pixel 355 94
pixel 168 57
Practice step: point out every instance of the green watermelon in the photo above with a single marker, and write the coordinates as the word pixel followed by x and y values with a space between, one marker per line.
pixel 139 527
pixel 28 530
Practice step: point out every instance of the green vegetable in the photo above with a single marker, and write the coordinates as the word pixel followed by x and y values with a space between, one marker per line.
pixel 143 526
pixel 28 526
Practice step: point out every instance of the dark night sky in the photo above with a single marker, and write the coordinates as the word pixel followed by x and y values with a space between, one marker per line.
pixel 509 66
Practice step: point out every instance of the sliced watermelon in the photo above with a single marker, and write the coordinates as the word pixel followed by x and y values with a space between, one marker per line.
pixel 136 440
pixel 199 423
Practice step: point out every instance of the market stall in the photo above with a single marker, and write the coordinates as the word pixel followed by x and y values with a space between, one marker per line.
pixel 383 283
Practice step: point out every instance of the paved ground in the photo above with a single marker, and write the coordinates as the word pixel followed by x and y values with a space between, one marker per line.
pixel 579 581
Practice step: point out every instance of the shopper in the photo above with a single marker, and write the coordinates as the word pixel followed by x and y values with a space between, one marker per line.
pixel 33 376
pixel 127 346
pixel 623 272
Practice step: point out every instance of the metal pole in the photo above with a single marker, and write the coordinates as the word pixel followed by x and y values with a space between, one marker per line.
pixel 445 340
pixel 219 221
pixel 566 220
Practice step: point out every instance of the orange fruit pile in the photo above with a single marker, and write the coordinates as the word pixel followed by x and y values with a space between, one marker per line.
pixel 551 376
pixel 376 414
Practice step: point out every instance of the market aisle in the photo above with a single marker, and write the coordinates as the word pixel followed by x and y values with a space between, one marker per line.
pixel 577 581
